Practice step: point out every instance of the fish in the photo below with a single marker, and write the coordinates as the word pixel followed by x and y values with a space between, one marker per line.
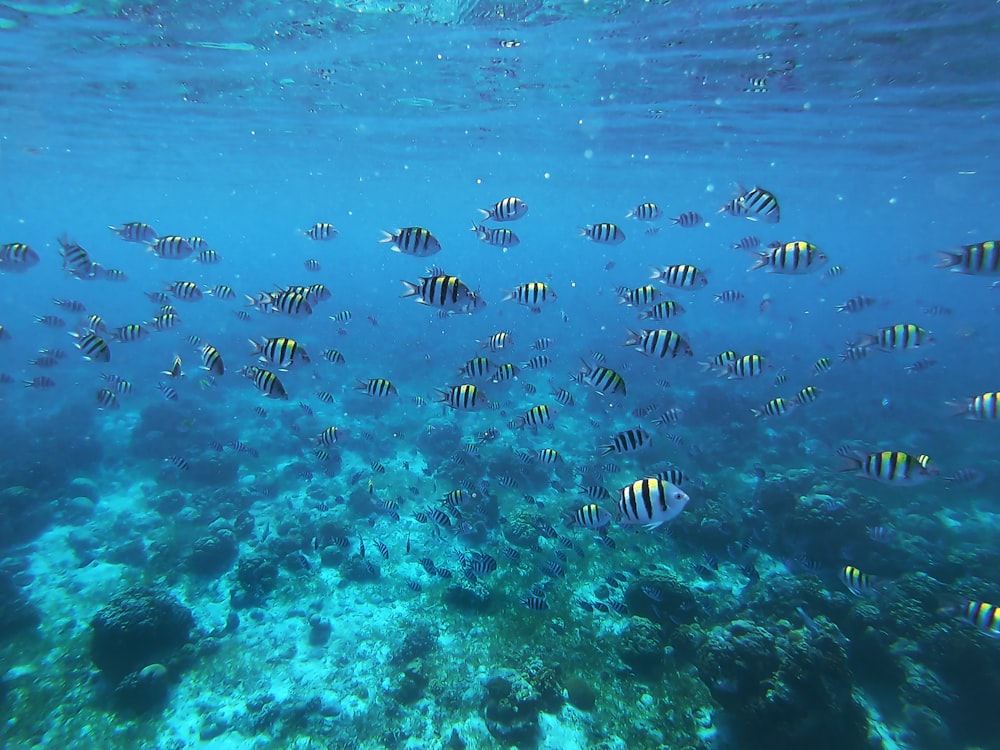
pixel 477 367
pixel 535 417
pixel 50 321
pixel 650 502
pixel 984 616
pixel 179 461
pixel 465 397
pixel 645 212
pixel 321 231
pixel 643 295
pixel 286 301
pixel 327 437
pixel 858 583
pixel 17 257
pixel 774 408
pixel 506 371
pixel 983 407
pixel 590 516
pixel 266 382
pixel 185 290
pixel 663 311
pixel 444 292
pixel 628 441
pixel 856 304
pixel 40 381
pixel 749 242
pixel 730 296
pixel 854 352
pixel 107 399
pixel 747 366
pixel 171 247
pixel 167 391
pixel 532 295
pixel 919 366
pixel 659 342
pixel 344 316
pixel 602 379
pixel 833 272
pixel 333 356
pixel 604 233
pixel 207 257
pixel 562 396
pixel 212 360
pixel 968 476
pixel 823 364
pixel 499 340
pixel 807 394
pixel 92 346
pixel 538 362
pixel 670 416
pixel 888 467
pixel 76 260
pixel 687 219
pixel 507 209
pixel 542 344
pixel 136 231
pixel 756 204
pixel 795 257
pixel 534 602
pixel 980 259
pixel 313 265
pixel 415 241
pixel 378 387
pixel 281 352
pixel 899 337
pixel 496 236
pixel 680 276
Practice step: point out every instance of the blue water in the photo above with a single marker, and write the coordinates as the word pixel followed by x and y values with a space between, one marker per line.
pixel 874 124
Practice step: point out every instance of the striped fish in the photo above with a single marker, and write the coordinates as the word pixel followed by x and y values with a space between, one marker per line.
pixel 899 337
pixel 535 417
pixel 795 257
pixel 650 502
pixel 680 276
pixel 186 290
pixel 129 333
pixel 856 304
pixel 889 467
pixel 444 292
pixel 658 342
pixel 986 617
pixel 92 346
pixel 327 437
pixel 378 387
pixel 774 408
pixel 508 209
pixel 983 258
pixel 858 583
pixel 496 236
pixel 107 399
pixel 985 406
pixel 645 212
pixel 532 295
pixel 321 231
pixel 265 382
pixel 415 241
pixel 602 379
pixel 807 394
pixel 171 247
pixel 663 311
pixel 628 441
pixel 477 367
pixel 506 371
pixel 747 366
pixel 465 397
pixel 756 204
pixel 280 352
pixel 499 340
pixel 643 295
pixel 604 233
pixel 135 231
pixel 211 360
pixel 687 219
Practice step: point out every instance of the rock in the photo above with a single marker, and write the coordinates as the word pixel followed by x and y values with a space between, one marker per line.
pixel 83 487
pixel 138 627
pixel 212 726
pixel 319 630
pixel 214 553
pixel 145 689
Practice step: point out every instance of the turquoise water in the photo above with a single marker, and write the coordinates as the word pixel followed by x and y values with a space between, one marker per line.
pixel 193 573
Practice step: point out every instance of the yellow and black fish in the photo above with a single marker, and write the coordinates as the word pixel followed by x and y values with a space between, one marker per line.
pixel 983 258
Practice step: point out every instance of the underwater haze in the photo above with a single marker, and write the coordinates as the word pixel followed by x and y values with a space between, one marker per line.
pixel 545 374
